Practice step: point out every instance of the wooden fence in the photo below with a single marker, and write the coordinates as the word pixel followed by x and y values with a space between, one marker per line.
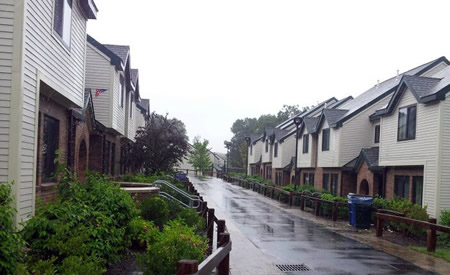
pixel 289 197
pixel 219 258
pixel 429 225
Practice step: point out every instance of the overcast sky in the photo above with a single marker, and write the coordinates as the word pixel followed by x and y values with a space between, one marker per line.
pixel 209 62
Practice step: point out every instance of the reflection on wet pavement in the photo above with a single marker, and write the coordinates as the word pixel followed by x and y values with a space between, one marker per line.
pixel 288 239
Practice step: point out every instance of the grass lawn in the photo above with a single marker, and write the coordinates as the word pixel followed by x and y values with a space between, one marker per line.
pixel 440 253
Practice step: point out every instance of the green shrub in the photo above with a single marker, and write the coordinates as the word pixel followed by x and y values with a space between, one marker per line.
pixel 155 209
pixel 141 232
pixel 192 219
pixel 11 243
pixel 177 241
pixel 444 238
pixel 89 223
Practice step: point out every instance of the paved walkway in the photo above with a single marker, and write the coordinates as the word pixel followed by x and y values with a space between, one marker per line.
pixel 266 233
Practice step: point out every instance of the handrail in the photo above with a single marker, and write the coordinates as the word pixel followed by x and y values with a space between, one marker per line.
pixel 168 196
pixel 218 259
pixel 194 201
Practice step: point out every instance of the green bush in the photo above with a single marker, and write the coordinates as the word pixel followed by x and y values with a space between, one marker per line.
pixel 177 241
pixel 155 209
pixel 444 238
pixel 192 219
pixel 328 208
pixel 11 243
pixel 89 224
pixel 141 232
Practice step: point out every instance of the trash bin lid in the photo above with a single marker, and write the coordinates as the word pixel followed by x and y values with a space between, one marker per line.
pixel 359 199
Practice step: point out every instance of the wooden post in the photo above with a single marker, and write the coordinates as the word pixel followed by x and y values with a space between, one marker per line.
pixel 431 237
pixel 302 202
pixel 185 267
pixel 204 209
pixel 379 227
pixel 210 226
pixel 224 266
pixel 335 211
pixel 317 209
pixel 220 230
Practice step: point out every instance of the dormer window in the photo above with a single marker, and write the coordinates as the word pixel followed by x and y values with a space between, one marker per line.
pixel 251 149
pixel 377 134
pixel 275 150
pixel 326 139
pixel 267 146
pixel 131 105
pixel 305 144
pixel 122 90
pixel 407 123
pixel 62 20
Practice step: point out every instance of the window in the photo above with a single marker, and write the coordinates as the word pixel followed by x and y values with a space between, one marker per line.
pixel 308 179
pixel 62 20
pixel 267 146
pixel 251 149
pixel 49 147
pixel 131 105
pixel 334 184
pixel 113 158
pixel 325 182
pixel 279 178
pixel 107 157
pixel 326 139
pixel 401 187
pixel 417 190
pixel 122 90
pixel 377 134
pixel 407 123
pixel 305 144
pixel 275 150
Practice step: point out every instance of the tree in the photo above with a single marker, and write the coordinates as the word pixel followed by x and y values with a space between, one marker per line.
pixel 199 157
pixel 288 111
pixel 160 145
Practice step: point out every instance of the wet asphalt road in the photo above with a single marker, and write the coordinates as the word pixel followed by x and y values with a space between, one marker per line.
pixel 285 238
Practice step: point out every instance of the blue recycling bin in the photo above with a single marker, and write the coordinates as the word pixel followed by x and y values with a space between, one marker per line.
pixel 181 177
pixel 360 210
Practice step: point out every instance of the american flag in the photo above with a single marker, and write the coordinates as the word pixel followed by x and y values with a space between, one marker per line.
pixel 99 91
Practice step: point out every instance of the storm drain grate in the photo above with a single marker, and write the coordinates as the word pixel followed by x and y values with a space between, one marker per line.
pixel 293 267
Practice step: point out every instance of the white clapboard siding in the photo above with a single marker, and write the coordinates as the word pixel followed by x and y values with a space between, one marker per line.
pixel 131 133
pixel 276 161
pixel 266 156
pixel 140 119
pixel 435 69
pixel 328 158
pixel 118 111
pixel 256 153
pixel 287 151
pixel 422 150
pixel 305 160
pixel 6 48
pixel 358 133
pixel 444 181
pixel 98 76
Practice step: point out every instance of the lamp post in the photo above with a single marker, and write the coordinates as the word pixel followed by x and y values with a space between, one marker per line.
pixel 249 141
pixel 228 146
pixel 297 122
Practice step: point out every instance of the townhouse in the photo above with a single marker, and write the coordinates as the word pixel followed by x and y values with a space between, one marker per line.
pixel 50 106
pixel 348 141
pixel 42 59
pixel 392 140
pixel 114 87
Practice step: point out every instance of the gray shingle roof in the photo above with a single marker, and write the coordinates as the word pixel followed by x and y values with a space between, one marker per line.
pixel 369 155
pixel 144 104
pixel 380 91
pixel 119 50
pixel 279 133
pixel 311 124
pixel 333 115
pixel 134 76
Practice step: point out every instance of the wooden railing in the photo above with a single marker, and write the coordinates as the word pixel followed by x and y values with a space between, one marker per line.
pixel 219 258
pixel 429 225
